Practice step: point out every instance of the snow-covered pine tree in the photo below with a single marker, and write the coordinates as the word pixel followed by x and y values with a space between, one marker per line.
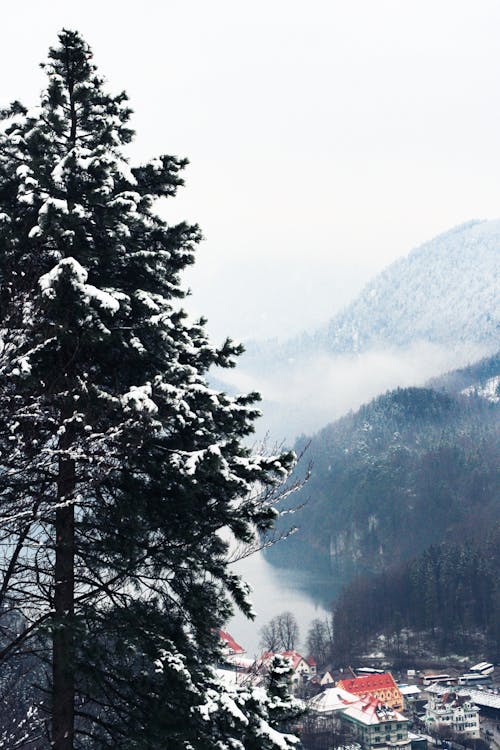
pixel 119 466
pixel 283 706
pixel 257 717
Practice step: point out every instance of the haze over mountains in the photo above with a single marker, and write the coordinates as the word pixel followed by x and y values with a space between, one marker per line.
pixel 411 467
pixel 431 311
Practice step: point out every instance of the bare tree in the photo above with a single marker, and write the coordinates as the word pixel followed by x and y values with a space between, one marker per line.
pixel 319 640
pixel 281 633
pixel 289 630
pixel 270 636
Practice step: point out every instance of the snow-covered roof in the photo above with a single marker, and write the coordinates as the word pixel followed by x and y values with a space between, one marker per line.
pixel 331 700
pixel 372 711
pixel 228 677
pixel 479 697
pixel 243 662
pixel 486 665
pixel 295 657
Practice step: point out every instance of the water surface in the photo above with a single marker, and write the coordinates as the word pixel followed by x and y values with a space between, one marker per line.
pixel 275 590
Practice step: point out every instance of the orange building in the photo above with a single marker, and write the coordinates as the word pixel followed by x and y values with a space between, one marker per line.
pixel 381 686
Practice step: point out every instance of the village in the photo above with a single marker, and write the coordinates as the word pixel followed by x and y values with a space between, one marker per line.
pixel 368 708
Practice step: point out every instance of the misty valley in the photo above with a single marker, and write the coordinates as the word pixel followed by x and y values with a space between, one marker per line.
pixel 398 523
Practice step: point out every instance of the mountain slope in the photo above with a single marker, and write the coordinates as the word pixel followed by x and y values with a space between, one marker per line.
pixel 444 292
pixel 480 379
pixel 427 313
pixel 445 601
pixel 412 468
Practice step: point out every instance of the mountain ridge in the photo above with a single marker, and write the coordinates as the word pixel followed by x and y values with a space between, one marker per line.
pixel 394 308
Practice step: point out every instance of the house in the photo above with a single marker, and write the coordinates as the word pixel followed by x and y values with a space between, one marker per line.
pixel 453 711
pixel 234 667
pixel 381 686
pixel 377 725
pixel 410 694
pixel 487 702
pixel 301 667
pixel 229 645
pixel 323 718
pixel 326 680
pixel 312 664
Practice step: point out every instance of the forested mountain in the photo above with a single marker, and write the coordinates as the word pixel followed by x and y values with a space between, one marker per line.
pixel 474 378
pixel 443 292
pixel 428 312
pixel 413 468
pixel 445 600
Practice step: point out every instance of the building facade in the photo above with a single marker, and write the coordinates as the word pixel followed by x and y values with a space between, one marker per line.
pixel 453 711
pixel 377 726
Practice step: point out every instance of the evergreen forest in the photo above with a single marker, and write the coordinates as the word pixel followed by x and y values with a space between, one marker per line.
pixel 444 601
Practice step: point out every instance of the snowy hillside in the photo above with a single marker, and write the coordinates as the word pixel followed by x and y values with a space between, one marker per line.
pixel 490 390
pixel 429 312
pixel 444 292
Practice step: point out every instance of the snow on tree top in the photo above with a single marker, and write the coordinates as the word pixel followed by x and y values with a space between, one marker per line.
pixel 78 277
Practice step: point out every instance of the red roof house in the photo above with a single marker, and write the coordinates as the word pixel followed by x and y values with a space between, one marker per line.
pixel 294 657
pixel 381 686
pixel 313 665
pixel 230 644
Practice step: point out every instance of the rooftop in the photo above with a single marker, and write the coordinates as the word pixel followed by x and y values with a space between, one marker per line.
pixel 368 683
pixel 479 697
pixel 372 711
pixel 409 689
pixel 331 700
pixel 294 656
pixel 230 643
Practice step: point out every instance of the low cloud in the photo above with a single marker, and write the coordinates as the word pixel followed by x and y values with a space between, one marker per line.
pixel 305 394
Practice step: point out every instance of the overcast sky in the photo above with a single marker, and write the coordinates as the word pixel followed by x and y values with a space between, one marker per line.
pixel 326 138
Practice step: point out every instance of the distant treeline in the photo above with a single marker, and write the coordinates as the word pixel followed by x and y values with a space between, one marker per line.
pixel 446 600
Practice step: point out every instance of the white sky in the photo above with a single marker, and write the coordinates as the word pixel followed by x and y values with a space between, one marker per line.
pixel 326 138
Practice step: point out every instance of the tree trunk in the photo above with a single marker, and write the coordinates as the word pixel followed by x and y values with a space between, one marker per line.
pixel 63 670
pixel 63 666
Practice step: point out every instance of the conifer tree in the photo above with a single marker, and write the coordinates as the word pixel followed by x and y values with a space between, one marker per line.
pixel 284 708
pixel 119 466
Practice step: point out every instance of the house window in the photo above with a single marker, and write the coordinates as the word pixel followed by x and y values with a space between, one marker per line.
pixel 400 736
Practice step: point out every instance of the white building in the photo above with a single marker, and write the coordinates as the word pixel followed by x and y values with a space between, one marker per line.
pixel 377 726
pixel 454 711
